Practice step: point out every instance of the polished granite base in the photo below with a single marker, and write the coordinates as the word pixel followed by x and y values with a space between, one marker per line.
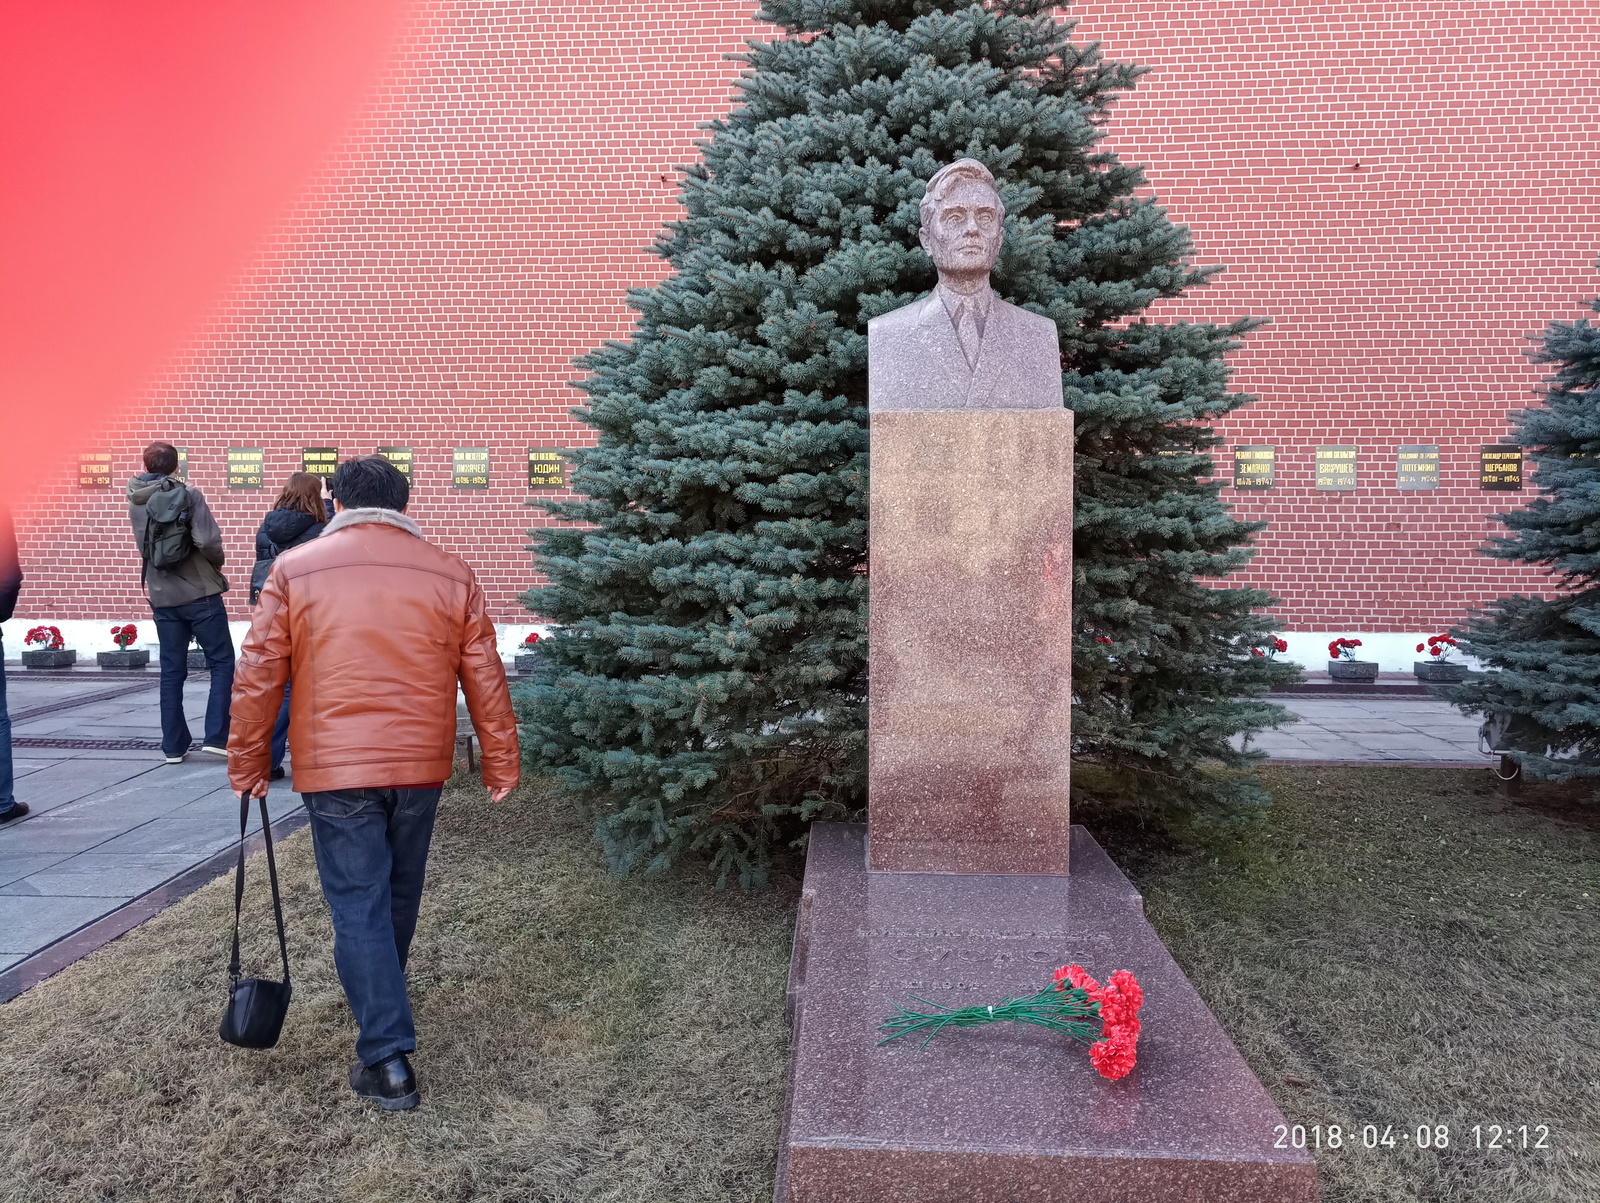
pixel 969 734
pixel 1005 1113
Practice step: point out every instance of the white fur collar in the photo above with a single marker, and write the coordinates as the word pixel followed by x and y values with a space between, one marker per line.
pixel 346 518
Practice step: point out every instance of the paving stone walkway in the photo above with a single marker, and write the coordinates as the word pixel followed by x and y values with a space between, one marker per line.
pixel 1373 729
pixel 107 825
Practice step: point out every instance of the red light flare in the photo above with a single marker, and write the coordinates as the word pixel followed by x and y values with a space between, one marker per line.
pixel 146 147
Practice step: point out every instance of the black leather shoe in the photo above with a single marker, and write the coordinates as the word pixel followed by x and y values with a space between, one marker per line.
pixel 390 1083
pixel 278 774
pixel 16 812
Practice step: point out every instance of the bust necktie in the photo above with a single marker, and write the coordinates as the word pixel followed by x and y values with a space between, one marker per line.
pixel 967 332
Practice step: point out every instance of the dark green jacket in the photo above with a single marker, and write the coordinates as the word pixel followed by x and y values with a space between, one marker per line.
pixel 197 577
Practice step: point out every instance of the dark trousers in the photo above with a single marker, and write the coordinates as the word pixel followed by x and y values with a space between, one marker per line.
pixel 280 730
pixel 8 797
pixel 372 852
pixel 207 621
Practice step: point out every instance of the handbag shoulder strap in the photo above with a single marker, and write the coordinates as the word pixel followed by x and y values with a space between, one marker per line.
pixel 277 902
pixel 238 889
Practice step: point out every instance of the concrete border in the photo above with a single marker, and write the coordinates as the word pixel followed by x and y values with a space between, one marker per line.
pixel 1289 761
pixel 97 933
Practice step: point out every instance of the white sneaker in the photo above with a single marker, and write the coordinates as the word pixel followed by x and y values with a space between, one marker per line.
pixel 178 759
pixel 222 752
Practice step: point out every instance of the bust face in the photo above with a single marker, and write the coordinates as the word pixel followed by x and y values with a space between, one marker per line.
pixel 964 236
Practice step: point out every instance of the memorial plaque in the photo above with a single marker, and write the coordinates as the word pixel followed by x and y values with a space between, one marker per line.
pixel 546 468
pixel 1253 467
pixel 400 457
pixel 469 468
pixel 94 470
pixel 1417 466
pixel 246 467
pixel 1500 467
pixel 319 461
pixel 1336 468
pixel 183 464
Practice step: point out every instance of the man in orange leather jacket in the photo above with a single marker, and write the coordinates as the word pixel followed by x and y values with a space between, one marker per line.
pixel 376 627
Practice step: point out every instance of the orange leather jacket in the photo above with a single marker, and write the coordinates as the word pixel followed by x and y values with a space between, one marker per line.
pixel 374 626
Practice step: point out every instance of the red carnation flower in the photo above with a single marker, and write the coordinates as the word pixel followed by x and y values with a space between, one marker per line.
pixel 1116 1053
pixel 533 637
pixel 1113 1058
pixel 1071 1004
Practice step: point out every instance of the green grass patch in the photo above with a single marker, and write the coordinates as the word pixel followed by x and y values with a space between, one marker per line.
pixel 1393 947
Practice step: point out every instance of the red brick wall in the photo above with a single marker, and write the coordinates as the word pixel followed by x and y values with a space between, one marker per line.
pixel 1400 294
pixel 483 225
pixel 480 228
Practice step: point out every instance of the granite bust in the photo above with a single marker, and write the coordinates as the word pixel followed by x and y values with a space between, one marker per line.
pixel 962 347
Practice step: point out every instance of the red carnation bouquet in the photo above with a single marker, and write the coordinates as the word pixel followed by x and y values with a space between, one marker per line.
pixel 123 636
pixel 533 638
pixel 48 638
pixel 1273 648
pixel 1439 647
pixel 1072 1003
pixel 1343 649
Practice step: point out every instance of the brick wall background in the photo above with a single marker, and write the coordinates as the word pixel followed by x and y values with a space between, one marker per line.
pixel 1401 292
pixel 483 223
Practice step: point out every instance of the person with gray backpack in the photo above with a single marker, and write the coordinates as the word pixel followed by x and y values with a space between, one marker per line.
pixel 180 546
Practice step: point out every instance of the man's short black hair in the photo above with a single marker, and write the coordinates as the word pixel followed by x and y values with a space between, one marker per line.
pixel 369 482
pixel 161 458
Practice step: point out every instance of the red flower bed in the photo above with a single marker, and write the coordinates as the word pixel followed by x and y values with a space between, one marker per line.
pixel 1343 648
pixel 49 638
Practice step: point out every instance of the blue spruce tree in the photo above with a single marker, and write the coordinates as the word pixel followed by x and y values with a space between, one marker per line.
pixel 706 687
pixel 1542 694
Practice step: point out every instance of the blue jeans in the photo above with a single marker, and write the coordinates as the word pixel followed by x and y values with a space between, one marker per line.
pixel 8 797
pixel 372 851
pixel 207 621
pixel 280 730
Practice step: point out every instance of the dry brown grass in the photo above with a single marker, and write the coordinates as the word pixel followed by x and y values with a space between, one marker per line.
pixel 581 1038
pixel 1392 947
pixel 1399 947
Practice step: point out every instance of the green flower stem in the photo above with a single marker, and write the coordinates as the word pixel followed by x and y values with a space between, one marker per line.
pixel 1068 1011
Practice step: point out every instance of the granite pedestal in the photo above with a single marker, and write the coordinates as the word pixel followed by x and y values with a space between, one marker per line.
pixel 1005 1113
pixel 970 724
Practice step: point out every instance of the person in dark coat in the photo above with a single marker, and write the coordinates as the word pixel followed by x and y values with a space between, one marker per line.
pixel 10 584
pixel 186 603
pixel 296 517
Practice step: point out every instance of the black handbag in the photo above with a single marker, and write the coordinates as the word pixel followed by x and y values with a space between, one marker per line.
pixel 256 1006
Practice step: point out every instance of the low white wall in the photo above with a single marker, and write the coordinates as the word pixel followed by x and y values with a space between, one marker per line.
pixel 91 635
pixel 1395 651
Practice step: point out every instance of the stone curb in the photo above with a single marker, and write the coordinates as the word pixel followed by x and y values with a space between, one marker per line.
pixel 97 933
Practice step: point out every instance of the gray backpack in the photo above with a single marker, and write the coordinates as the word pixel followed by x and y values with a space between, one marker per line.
pixel 168 536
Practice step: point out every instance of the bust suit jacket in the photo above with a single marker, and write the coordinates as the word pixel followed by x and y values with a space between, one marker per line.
pixel 914 360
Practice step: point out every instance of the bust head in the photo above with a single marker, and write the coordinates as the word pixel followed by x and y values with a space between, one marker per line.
pixel 961 224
